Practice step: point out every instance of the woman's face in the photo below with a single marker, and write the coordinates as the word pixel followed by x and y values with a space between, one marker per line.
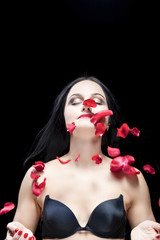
pixel 74 107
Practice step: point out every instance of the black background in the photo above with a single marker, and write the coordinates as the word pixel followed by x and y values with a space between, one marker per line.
pixel 44 46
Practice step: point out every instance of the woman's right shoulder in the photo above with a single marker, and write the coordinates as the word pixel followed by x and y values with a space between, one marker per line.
pixel 50 168
pixel 47 166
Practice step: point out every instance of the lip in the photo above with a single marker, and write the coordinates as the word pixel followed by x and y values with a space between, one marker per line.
pixel 86 116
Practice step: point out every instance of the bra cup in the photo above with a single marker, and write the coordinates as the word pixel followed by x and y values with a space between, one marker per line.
pixel 58 221
pixel 108 218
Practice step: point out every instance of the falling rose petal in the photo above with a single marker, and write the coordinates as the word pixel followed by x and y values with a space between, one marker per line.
pixel 38 188
pixel 76 160
pixel 149 169
pixel 63 162
pixel 100 129
pixel 71 127
pixel 123 131
pixel 135 131
pixel 34 176
pixel 97 158
pixel 7 208
pixel 90 103
pixel 113 152
pixel 98 116
pixel 39 166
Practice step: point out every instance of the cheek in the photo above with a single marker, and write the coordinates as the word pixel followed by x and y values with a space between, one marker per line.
pixel 68 115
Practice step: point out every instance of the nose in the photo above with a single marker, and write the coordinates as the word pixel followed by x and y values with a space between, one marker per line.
pixel 87 109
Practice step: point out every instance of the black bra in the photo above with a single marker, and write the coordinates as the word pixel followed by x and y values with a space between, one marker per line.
pixel 107 220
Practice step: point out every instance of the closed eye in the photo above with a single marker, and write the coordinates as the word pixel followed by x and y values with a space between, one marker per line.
pixel 75 101
pixel 99 101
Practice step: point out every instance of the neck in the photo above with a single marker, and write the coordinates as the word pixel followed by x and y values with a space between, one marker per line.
pixel 87 148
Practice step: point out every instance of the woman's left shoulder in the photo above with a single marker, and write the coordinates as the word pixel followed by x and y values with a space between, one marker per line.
pixel 137 185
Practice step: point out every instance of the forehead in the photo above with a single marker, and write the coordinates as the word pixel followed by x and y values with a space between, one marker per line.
pixel 86 88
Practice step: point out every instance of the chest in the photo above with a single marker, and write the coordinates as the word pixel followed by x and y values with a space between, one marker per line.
pixel 81 191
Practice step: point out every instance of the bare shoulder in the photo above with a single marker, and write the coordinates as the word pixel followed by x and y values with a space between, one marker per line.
pixel 137 182
pixel 140 208
pixel 52 169
pixel 137 190
pixel 27 181
pixel 52 166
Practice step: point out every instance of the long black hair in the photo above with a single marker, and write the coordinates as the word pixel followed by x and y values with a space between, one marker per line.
pixel 53 139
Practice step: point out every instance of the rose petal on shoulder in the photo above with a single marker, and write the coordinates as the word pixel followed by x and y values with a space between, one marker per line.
pixel 130 159
pixel 39 166
pixel 34 176
pixel 8 206
pixel 127 169
pixel 38 188
pixel 117 164
pixel 113 152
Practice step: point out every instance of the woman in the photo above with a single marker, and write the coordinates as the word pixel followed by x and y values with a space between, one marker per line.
pixel 81 199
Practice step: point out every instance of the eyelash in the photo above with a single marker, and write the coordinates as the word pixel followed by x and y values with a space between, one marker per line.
pixel 101 102
pixel 76 103
pixel 72 102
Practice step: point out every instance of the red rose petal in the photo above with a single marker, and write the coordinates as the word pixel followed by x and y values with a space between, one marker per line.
pixel 34 176
pixel 121 163
pixel 97 158
pixel 63 162
pixel 127 169
pixel 38 188
pixel 149 169
pixel 116 164
pixel 123 130
pixel 100 129
pixel 90 103
pixel 98 116
pixel 113 152
pixel 135 131
pixel 130 159
pixel 71 127
pixel 39 166
pixel 76 160
pixel 7 208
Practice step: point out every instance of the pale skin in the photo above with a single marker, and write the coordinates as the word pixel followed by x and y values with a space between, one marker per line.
pixel 83 185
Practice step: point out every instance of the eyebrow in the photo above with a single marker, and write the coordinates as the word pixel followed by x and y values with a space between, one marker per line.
pixel 94 94
pixel 98 94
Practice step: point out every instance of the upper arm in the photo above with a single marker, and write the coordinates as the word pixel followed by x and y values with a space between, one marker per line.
pixel 140 209
pixel 28 211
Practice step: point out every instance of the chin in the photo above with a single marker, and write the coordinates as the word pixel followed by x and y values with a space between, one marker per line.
pixel 84 129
